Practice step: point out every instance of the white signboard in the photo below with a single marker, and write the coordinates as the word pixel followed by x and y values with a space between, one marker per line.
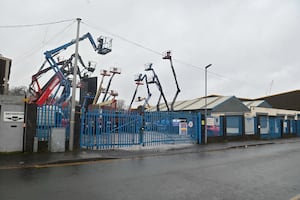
pixel 249 126
pixel 210 121
pixel 11 116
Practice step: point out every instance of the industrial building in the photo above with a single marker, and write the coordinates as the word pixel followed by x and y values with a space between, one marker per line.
pixel 230 117
pixel 215 104
pixel 287 100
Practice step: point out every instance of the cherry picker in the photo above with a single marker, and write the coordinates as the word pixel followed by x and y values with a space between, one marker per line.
pixel 60 81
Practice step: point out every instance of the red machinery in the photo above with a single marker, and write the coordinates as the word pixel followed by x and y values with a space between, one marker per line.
pixel 57 89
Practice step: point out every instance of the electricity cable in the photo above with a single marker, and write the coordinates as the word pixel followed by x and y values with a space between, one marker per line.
pixel 31 52
pixel 34 25
pixel 158 53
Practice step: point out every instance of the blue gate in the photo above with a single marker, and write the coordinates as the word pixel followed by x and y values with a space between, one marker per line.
pixel 171 128
pixel 107 129
pixel 102 129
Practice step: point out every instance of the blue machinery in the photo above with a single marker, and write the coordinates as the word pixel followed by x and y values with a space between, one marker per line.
pixel 41 94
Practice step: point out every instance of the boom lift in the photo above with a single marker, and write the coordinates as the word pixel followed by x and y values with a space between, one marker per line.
pixel 139 81
pixel 113 71
pixel 100 90
pixel 155 80
pixel 112 93
pixel 168 56
pixel 67 67
pixel 39 95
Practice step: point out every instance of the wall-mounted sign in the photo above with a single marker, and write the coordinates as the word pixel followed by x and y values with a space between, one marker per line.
pixel 210 121
pixel 11 116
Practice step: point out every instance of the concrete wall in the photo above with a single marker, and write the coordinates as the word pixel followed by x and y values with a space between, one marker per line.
pixel 11 123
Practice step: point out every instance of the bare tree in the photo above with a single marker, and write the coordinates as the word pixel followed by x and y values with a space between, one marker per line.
pixel 121 104
pixel 17 91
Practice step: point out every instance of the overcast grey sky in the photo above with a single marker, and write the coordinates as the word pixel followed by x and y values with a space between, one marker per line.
pixel 254 45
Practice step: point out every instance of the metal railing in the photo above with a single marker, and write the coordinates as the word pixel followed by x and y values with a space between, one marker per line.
pixel 103 129
pixel 48 117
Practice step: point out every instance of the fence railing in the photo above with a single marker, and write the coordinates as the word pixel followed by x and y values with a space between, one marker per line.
pixel 48 117
pixel 106 129
pixel 102 129
pixel 110 129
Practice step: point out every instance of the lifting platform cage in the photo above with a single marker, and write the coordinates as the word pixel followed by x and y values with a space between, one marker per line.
pixel 115 70
pixel 138 78
pixel 105 45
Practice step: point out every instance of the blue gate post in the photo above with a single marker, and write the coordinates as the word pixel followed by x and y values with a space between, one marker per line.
pixel 298 126
pixel 82 128
pixel 221 132
pixel 241 125
pixel 142 127
pixel 199 127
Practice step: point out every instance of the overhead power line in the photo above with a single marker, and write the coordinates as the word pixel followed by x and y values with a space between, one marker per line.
pixel 123 38
pixel 150 49
pixel 33 25
pixel 158 53
pixel 27 55
pixel 219 76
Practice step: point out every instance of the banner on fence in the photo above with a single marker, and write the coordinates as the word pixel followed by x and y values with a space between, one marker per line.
pixel 183 128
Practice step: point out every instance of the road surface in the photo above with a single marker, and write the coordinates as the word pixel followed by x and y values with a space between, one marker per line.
pixel 262 172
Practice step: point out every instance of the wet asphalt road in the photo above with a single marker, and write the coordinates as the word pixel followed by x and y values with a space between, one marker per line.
pixel 263 172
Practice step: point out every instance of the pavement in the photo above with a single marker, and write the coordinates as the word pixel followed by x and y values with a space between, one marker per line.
pixel 47 159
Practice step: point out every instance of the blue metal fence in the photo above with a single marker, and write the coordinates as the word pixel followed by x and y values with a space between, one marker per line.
pixel 170 128
pixel 48 117
pixel 104 129
pixel 101 129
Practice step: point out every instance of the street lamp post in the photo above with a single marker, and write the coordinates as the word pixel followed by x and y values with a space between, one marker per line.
pixel 205 121
pixel 73 100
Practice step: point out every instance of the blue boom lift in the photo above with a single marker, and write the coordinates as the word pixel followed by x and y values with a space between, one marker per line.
pixel 40 94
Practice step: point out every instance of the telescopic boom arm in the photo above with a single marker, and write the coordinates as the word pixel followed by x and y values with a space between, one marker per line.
pixel 168 56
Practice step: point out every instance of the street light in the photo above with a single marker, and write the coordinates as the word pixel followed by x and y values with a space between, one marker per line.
pixel 205 121
pixel 73 102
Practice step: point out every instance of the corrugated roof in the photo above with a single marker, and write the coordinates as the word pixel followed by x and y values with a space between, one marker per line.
pixel 218 101
pixel 253 103
pixel 185 104
pixel 287 100
pixel 196 104
pixel 200 104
